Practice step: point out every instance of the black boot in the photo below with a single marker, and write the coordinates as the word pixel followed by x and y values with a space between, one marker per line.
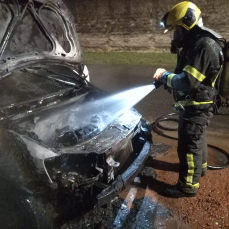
pixel 175 192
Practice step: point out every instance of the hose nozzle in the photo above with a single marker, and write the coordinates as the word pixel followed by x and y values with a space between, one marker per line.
pixel 157 84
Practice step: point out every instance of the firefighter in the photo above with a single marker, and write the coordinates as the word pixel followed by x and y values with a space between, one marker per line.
pixel 200 60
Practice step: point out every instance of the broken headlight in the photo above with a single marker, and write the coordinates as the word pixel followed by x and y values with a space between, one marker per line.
pixel 73 170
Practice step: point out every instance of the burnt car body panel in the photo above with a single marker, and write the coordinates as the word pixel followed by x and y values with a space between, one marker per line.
pixel 55 126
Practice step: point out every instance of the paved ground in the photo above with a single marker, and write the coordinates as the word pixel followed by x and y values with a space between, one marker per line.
pixel 141 205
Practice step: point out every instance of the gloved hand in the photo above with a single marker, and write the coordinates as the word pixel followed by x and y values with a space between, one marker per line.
pixel 157 75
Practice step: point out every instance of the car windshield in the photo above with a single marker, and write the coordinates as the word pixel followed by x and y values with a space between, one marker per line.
pixel 35 83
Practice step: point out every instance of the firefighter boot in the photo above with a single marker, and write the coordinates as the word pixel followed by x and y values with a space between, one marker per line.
pixel 176 192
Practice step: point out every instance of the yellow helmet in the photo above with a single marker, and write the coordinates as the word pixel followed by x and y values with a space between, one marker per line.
pixel 184 13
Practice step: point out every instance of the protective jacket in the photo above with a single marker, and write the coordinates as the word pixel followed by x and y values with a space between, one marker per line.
pixel 198 67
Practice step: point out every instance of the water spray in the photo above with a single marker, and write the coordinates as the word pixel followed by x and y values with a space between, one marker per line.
pixel 98 113
pixel 127 99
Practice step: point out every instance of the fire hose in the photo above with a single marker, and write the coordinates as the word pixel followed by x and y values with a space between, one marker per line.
pixel 158 128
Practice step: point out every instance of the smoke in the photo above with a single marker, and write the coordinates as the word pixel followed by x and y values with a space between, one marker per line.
pixel 99 113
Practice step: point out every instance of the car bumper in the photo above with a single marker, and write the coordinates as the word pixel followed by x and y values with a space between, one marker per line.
pixel 126 178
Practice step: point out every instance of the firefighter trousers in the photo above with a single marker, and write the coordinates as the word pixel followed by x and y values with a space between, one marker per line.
pixel 192 148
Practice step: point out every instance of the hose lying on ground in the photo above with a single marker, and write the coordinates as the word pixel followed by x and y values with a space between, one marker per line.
pixel 157 127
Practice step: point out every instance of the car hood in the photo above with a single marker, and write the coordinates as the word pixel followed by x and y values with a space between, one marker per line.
pixel 75 120
pixel 34 31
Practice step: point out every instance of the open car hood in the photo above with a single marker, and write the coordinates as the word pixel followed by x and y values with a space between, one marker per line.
pixel 36 31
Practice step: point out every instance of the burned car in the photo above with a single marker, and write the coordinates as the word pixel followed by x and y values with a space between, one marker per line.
pixel 57 128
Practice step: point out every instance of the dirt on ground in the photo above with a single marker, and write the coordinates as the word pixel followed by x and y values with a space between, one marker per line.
pixel 209 209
